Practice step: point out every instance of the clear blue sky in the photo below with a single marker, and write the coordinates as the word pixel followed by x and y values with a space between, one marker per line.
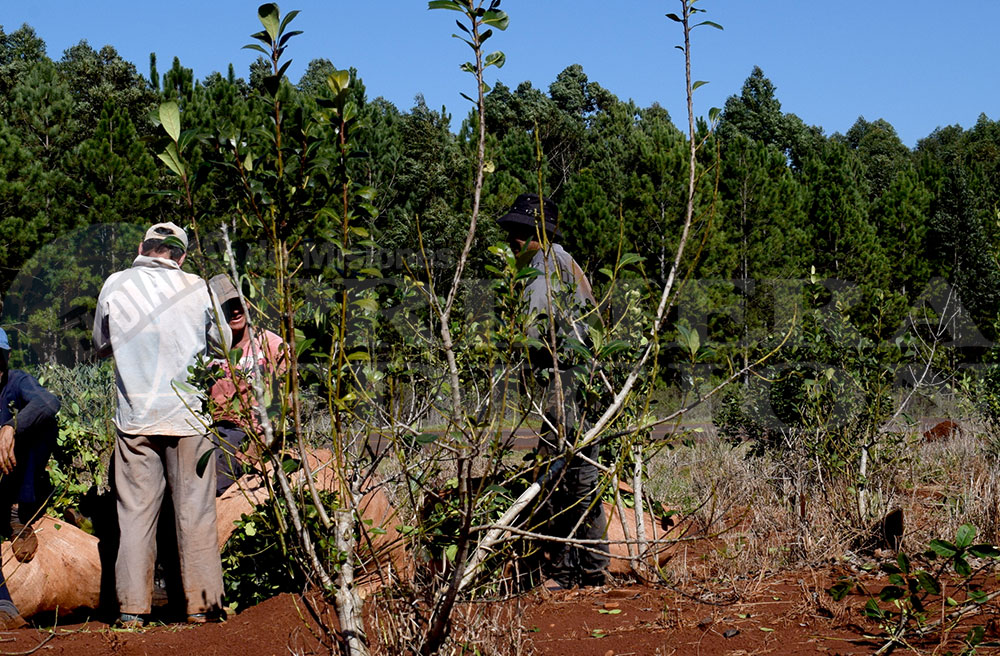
pixel 916 63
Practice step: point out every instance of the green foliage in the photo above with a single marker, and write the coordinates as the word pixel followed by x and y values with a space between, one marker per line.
pixel 85 444
pixel 256 564
pixel 916 586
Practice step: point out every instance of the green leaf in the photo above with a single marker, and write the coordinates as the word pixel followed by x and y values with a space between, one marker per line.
pixel 268 15
pixel 338 81
pixel 630 258
pixel 891 593
pixel 257 47
pixel 185 387
pixel 928 582
pixel 710 24
pixel 966 534
pixel 289 465
pixel 173 242
pixel 978 596
pixel 904 563
pixel 203 460
pixel 170 119
pixel 975 636
pixel 713 114
pixel 284 67
pixel 698 83
pixel 264 37
pixel 962 567
pixel 426 438
pixel 497 59
pixel 840 590
pixel 497 19
pixel 527 272
pixel 612 348
pixel 288 19
pixel 984 551
pixel 943 548
pixel 873 611
pixel 288 35
pixel 674 17
pixel 445 4
pixel 451 552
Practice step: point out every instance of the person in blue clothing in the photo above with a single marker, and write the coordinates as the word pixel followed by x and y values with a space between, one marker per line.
pixel 28 432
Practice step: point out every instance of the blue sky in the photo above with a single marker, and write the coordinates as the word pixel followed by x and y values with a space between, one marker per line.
pixel 916 63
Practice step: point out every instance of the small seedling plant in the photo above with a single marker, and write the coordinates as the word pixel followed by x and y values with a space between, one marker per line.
pixel 930 593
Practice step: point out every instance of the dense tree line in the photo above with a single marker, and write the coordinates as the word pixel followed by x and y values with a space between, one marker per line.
pixel 778 200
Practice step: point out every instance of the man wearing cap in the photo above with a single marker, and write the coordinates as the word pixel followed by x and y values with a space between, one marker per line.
pixel 156 320
pixel 28 432
pixel 560 301
pixel 234 406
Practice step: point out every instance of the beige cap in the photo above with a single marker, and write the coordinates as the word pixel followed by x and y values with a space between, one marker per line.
pixel 164 230
pixel 223 288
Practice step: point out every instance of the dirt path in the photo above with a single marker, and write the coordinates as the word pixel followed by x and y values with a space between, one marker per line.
pixel 778 614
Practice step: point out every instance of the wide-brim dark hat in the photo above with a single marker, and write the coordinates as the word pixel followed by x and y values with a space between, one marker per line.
pixel 528 210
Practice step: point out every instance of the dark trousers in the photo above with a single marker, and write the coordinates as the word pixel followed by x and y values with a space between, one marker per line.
pixel 28 485
pixel 229 438
pixel 571 508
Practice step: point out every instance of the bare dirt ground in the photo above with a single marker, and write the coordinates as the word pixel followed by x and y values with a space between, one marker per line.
pixel 775 612
pixel 778 614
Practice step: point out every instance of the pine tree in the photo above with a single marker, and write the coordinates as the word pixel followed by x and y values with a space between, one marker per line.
pixel 845 243
pixel 880 151
pixel 95 77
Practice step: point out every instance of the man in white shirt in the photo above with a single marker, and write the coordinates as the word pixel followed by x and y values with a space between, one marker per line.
pixel 156 320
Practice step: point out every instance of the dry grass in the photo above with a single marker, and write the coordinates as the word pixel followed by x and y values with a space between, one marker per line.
pixel 769 511
pixel 493 628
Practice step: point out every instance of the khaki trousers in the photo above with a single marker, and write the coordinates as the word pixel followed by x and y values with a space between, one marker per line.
pixel 144 467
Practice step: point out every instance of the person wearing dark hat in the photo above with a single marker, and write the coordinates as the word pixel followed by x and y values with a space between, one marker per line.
pixel 156 320
pixel 28 433
pixel 235 411
pixel 561 297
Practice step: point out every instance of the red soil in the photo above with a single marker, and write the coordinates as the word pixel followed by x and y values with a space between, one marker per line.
pixel 790 613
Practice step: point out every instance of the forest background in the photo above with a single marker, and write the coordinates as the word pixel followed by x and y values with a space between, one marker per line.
pixel 790 201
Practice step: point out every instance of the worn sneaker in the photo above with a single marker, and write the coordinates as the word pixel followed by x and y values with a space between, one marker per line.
pixel 552 585
pixel 10 617
pixel 205 618
pixel 130 621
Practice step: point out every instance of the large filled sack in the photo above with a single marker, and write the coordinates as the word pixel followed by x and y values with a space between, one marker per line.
pixel 661 533
pixel 65 572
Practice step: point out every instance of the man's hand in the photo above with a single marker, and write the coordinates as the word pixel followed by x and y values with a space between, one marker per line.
pixel 7 461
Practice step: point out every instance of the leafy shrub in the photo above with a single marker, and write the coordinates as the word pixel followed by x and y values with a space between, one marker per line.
pixel 257 560
pixel 86 432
